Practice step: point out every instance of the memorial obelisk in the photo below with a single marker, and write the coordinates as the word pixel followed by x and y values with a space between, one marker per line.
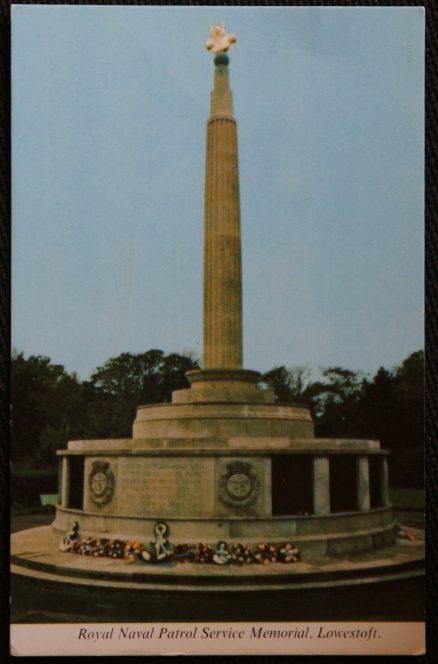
pixel 222 250
pixel 223 376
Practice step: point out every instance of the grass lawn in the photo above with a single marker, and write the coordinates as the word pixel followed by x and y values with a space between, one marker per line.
pixel 407 498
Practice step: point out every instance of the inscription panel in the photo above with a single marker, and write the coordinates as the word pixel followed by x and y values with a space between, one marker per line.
pixel 166 487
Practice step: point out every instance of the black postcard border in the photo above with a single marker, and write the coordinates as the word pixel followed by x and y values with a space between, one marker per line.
pixel 431 275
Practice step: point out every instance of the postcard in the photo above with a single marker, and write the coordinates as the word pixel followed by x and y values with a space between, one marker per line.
pixel 217 323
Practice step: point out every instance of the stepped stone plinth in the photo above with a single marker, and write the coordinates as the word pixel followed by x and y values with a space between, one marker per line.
pixel 225 460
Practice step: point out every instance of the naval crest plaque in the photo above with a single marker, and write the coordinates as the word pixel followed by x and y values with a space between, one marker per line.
pixel 238 484
pixel 101 483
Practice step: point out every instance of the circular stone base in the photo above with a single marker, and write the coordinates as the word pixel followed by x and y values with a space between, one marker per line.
pixel 36 555
pixel 222 419
pixel 316 537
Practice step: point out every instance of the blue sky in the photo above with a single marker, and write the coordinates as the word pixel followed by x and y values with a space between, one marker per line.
pixel 109 106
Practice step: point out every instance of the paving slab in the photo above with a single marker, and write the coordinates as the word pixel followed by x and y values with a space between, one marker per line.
pixel 36 553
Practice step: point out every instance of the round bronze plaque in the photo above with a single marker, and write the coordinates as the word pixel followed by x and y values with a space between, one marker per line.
pixel 101 483
pixel 238 484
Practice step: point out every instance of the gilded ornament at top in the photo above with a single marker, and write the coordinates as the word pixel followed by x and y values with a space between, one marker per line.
pixel 220 40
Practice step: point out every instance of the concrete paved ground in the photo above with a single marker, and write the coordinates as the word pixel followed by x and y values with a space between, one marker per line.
pixel 45 597
pixel 40 603
pixel 33 519
pixel 37 549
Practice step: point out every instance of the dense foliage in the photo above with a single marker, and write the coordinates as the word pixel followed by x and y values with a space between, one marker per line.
pixel 387 407
pixel 51 406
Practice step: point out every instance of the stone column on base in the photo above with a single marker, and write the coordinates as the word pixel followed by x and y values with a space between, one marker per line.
pixel 384 486
pixel 65 482
pixel 321 485
pixel 363 483
pixel 222 247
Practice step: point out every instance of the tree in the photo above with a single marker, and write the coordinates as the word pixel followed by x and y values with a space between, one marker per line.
pixel 378 408
pixel 291 384
pixel 129 380
pixel 50 406
pixel 337 400
pixel 409 381
pixel 410 386
pixel 144 377
pixel 173 373
pixel 44 397
pixel 333 401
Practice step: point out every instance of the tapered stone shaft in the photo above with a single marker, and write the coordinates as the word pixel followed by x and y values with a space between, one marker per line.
pixel 222 249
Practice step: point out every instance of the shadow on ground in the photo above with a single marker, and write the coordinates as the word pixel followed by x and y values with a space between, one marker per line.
pixel 49 603
pixel 35 601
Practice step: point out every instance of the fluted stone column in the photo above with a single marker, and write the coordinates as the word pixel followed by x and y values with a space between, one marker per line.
pixel 321 485
pixel 222 250
pixel 223 378
pixel 59 484
pixel 384 486
pixel 363 483
pixel 65 482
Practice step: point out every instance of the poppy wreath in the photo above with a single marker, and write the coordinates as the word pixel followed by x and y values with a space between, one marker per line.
pixel 265 554
pixel 237 554
pixel 116 549
pixel 183 553
pixel 99 549
pixel 241 554
pixel 133 550
pixel 288 554
pixel 203 554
